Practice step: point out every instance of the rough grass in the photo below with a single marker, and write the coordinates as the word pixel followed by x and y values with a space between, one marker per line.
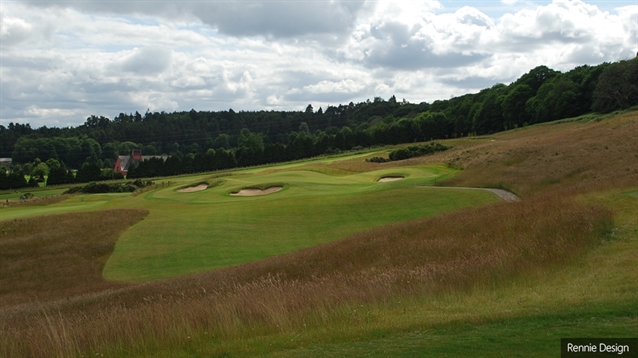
pixel 427 256
pixel 571 157
pixel 59 256
pixel 37 201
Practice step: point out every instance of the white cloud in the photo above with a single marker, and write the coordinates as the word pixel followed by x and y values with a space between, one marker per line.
pixel 14 31
pixel 236 18
pixel 147 61
pixel 34 111
pixel 61 64
pixel 328 91
pixel 424 40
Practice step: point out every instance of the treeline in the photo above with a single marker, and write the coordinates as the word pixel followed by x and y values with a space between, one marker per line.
pixel 52 172
pixel 204 140
pixel 15 180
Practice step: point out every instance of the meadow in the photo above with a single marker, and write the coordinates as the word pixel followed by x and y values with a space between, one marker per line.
pixel 338 264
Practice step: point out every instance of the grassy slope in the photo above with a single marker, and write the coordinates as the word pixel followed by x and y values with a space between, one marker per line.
pixel 595 294
pixel 313 208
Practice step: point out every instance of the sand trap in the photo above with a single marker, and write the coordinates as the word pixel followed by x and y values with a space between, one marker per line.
pixel 387 179
pixel 254 192
pixel 193 188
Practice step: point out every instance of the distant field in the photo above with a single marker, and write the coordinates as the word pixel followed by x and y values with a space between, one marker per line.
pixel 38 192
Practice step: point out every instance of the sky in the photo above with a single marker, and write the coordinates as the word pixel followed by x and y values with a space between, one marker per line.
pixel 63 61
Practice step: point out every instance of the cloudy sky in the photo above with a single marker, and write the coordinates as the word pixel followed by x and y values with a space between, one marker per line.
pixel 62 61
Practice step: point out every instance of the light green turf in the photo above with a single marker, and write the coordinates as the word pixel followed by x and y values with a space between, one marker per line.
pixel 199 231
pixel 73 204
pixel 536 335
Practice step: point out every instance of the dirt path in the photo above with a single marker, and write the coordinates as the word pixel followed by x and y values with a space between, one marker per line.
pixel 503 194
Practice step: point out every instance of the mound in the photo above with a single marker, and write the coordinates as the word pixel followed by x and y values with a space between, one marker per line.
pixel 255 191
pixel 194 188
pixel 387 179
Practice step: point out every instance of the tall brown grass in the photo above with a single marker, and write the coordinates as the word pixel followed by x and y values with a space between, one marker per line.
pixel 59 256
pixel 448 253
pixel 570 158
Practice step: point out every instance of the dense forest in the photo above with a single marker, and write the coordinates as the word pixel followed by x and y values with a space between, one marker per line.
pixel 205 140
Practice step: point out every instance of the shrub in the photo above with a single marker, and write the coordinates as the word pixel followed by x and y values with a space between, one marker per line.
pixel 377 160
pixel 96 188
pixel 416 151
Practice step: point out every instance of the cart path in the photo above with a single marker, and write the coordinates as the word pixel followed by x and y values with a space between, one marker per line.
pixel 503 194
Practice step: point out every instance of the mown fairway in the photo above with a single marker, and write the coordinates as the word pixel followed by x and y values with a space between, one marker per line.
pixel 203 230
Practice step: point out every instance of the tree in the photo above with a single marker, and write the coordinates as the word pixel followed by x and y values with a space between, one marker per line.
pixel 88 172
pixel 617 87
pixel 222 141
pixel 557 98
pixel 53 164
pixel 536 77
pixel 18 180
pixel 59 175
pixel 13 180
pixel 343 138
pixel 172 166
pixel 309 109
pixel 488 115
pixel 247 139
pixel 434 125
pixel 514 105
pixel 303 127
pixel 301 147
pixel 40 171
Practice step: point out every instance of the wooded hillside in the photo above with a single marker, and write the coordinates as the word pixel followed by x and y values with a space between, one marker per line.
pixel 208 140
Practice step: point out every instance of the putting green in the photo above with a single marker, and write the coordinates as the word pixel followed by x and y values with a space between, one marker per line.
pixel 208 229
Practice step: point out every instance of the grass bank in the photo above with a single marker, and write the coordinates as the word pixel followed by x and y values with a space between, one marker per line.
pixel 505 279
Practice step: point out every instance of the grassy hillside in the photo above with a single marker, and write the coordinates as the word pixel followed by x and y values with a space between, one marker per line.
pixel 209 229
pixel 500 279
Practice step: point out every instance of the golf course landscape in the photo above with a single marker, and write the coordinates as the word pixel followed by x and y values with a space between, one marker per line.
pixel 323 257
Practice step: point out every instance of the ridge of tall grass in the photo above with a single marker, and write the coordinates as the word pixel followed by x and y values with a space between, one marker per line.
pixel 58 256
pixel 36 201
pixel 570 158
pixel 449 253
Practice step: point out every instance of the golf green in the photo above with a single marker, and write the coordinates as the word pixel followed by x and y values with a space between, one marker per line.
pixel 196 231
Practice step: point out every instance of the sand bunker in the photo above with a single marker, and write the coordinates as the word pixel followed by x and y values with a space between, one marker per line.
pixel 254 192
pixel 387 179
pixel 191 189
